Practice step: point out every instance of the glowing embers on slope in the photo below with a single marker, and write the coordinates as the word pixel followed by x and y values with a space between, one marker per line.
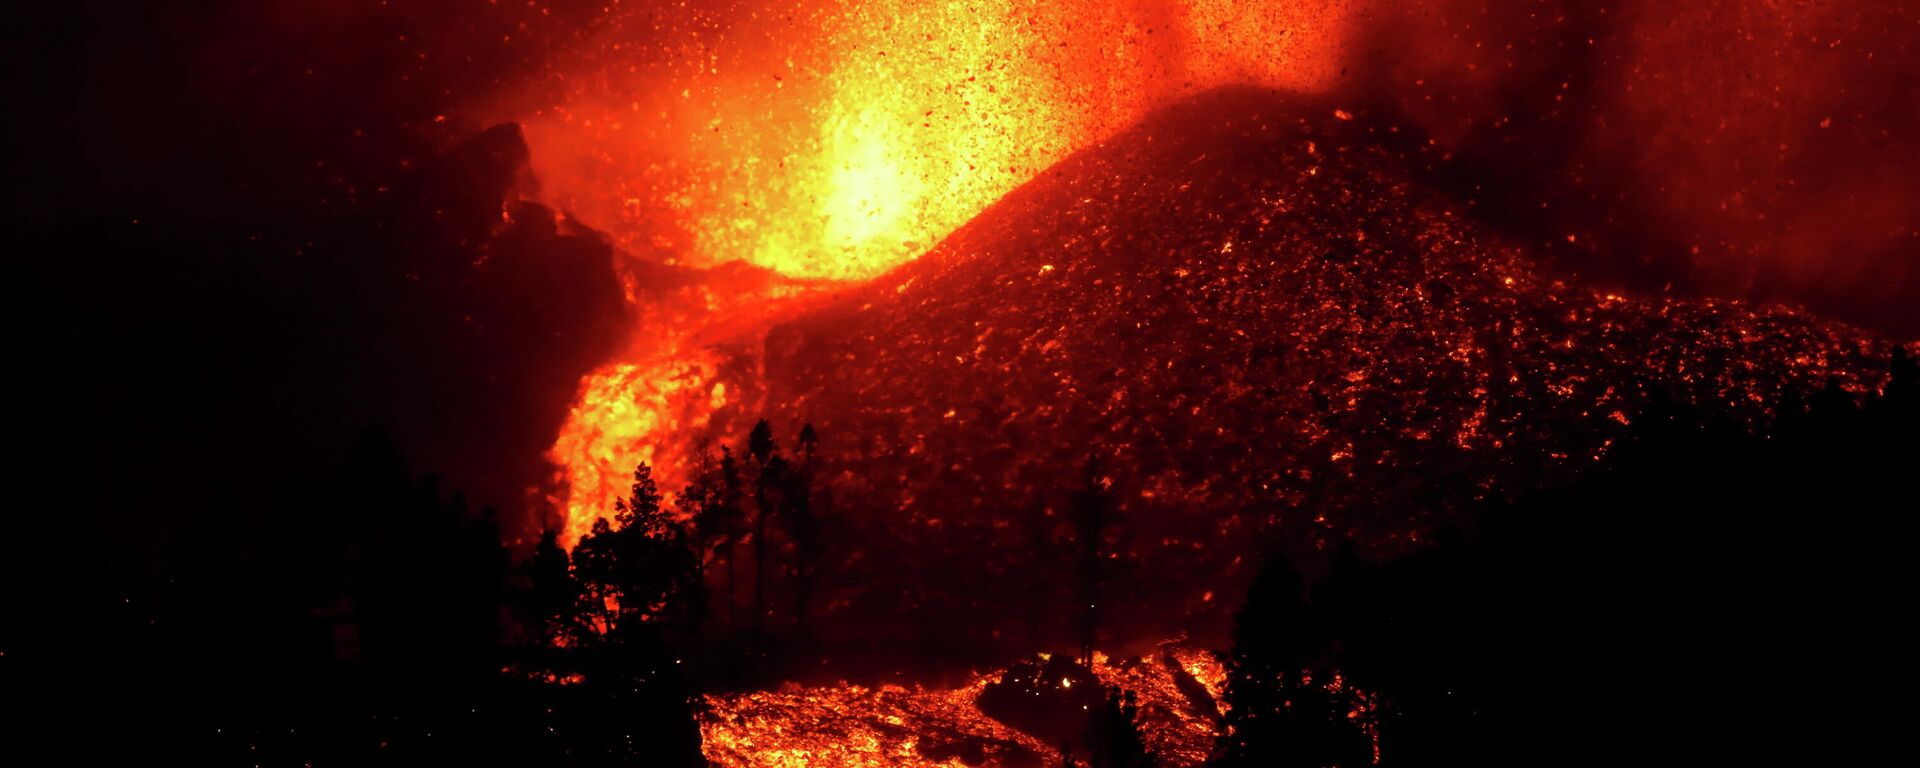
pixel 849 726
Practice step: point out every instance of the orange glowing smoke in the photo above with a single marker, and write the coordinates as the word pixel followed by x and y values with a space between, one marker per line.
pixel 831 140
pixel 834 141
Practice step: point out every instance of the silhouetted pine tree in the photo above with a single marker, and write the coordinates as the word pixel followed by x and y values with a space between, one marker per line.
pixel 729 514
pixel 1902 393
pixel 1116 741
pixel 1092 517
pixel 699 503
pixel 635 573
pixel 550 605
pixel 423 585
pixel 1280 709
pixel 1834 406
pixel 769 468
pixel 799 517
pixel 593 565
pixel 635 707
pixel 1040 554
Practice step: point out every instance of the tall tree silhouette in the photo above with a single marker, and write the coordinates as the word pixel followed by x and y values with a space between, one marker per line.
pixel 550 606
pixel 769 469
pixel 729 513
pixel 1115 734
pixel 1902 394
pixel 634 573
pixel 593 564
pixel 1039 543
pixel 637 708
pixel 801 526
pixel 699 504
pixel 1092 517
pixel 1282 707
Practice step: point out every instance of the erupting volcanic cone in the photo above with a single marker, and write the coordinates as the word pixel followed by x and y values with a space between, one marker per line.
pixel 1260 324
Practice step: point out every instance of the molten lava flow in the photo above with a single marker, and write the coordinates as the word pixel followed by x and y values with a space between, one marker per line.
pixel 849 726
pixel 837 141
pixel 667 385
pixel 623 410
pixel 1274 314
pixel 854 726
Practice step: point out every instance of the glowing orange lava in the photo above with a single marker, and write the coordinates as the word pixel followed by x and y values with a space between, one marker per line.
pixel 851 726
pixel 835 141
pixel 623 409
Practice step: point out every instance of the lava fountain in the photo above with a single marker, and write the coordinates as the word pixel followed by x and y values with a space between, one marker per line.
pixel 830 142
pixel 753 162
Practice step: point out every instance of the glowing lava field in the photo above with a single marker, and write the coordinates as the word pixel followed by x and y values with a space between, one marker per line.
pixel 850 725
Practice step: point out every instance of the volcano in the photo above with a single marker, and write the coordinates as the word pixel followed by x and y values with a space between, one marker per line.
pixel 1256 306
pixel 1259 326
pixel 1011 384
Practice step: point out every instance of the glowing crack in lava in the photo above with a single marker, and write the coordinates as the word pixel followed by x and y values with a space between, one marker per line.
pixel 835 141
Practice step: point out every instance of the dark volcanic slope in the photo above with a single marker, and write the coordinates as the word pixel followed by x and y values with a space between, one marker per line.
pixel 1255 319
